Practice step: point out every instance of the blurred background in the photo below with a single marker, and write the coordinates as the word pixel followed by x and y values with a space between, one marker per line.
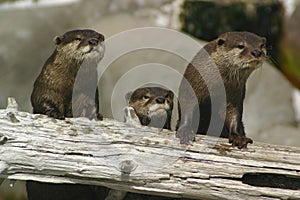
pixel 272 105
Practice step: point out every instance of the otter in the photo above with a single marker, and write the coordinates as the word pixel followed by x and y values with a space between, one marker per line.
pixel 64 88
pixel 236 55
pixel 147 106
pixel 152 106
pixel 67 87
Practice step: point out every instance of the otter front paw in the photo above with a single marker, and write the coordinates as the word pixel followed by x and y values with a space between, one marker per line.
pixel 55 114
pixel 185 134
pixel 239 141
pixel 99 116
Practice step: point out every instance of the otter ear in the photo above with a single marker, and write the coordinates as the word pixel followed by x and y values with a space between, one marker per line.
pixel 220 41
pixel 57 40
pixel 127 97
pixel 171 94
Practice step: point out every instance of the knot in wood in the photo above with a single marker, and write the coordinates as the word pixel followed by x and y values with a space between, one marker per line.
pixel 3 140
pixel 12 117
pixel 127 166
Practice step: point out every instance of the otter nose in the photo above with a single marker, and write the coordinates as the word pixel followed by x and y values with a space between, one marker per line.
pixel 160 100
pixel 256 53
pixel 93 42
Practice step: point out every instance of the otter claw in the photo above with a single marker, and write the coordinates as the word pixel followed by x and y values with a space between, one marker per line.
pixel 99 116
pixel 185 134
pixel 55 114
pixel 240 141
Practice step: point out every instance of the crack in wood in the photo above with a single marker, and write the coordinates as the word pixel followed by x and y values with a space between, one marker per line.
pixel 272 180
pixel 78 154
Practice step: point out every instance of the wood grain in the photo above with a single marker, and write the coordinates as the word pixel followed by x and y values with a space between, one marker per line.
pixel 142 159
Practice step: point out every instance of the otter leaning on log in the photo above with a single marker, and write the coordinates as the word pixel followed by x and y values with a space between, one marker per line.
pixel 73 62
pixel 152 106
pixel 236 55
pixel 147 106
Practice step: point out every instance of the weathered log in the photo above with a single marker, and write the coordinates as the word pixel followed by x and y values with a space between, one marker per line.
pixel 142 159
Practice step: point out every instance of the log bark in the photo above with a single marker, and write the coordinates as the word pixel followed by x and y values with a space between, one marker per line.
pixel 142 159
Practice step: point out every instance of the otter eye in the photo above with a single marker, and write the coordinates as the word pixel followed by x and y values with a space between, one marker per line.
pixel 146 97
pixel 78 39
pixel 241 46
pixel 221 42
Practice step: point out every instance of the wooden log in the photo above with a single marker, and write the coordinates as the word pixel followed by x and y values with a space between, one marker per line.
pixel 142 159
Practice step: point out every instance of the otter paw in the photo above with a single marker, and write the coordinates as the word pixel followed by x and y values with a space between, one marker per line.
pixel 185 134
pixel 240 141
pixel 55 114
pixel 99 116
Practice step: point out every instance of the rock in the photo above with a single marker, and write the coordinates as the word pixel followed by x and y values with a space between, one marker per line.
pixel 268 103
pixel 280 134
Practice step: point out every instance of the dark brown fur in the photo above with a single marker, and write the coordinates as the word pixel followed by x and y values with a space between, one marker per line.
pixel 153 106
pixel 54 90
pixel 236 55
pixel 67 87
pixel 142 99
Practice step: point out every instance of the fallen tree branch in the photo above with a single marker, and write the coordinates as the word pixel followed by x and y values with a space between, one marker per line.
pixel 142 159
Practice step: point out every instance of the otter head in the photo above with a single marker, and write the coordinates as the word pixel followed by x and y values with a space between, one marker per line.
pixel 153 105
pixel 80 45
pixel 238 51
